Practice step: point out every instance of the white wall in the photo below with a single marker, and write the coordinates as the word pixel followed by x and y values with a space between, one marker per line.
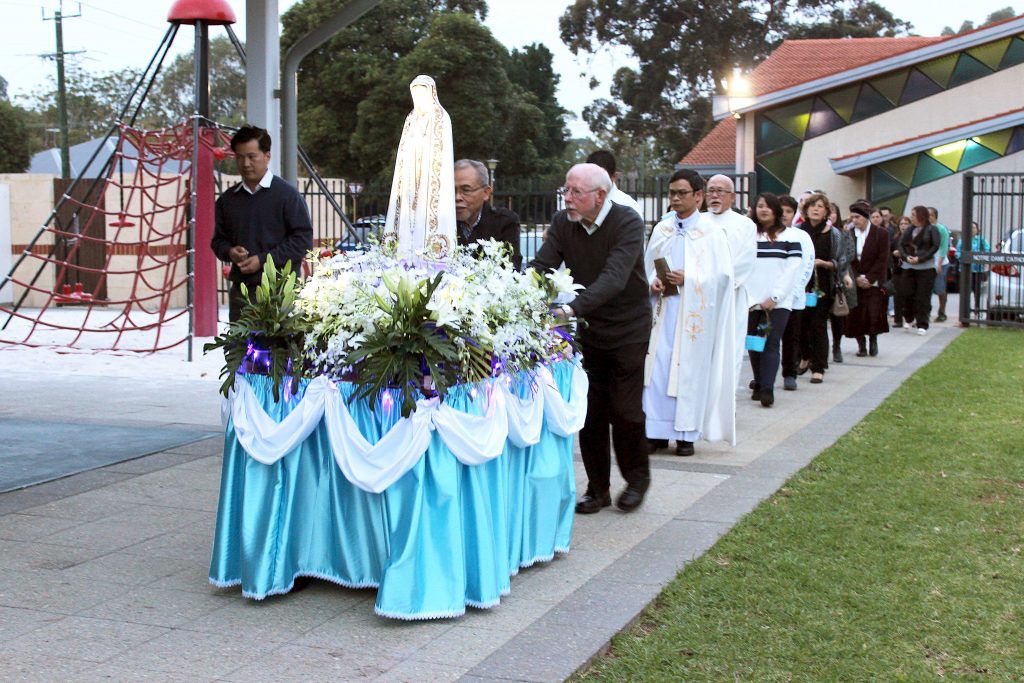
pixel 6 295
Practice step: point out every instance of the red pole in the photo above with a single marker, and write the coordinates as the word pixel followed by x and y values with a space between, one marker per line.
pixel 205 324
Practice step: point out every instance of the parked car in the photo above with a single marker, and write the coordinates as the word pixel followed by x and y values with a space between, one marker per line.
pixel 1006 286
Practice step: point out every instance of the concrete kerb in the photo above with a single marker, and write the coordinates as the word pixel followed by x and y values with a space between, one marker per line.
pixel 582 625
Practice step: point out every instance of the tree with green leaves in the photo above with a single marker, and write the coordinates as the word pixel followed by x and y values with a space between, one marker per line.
pixel 172 98
pixel 354 90
pixel 14 143
pixel 684 49
pixel 968 25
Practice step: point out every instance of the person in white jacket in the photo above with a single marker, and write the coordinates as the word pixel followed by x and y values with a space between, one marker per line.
pixel 791 337
pixel 770 290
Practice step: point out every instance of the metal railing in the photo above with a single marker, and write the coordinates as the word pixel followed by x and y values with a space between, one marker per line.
pixel 992 254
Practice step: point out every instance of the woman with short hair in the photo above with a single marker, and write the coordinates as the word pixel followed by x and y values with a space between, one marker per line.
pixel 868 269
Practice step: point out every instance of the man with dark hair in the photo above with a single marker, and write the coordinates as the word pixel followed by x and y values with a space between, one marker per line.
pixel 606 160
pixel 689 266
pixel 260 216
pixel 602 244
pixel 475 218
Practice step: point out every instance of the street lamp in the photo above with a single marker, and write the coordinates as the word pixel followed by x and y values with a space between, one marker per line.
pixel 491 165
pixel 354 189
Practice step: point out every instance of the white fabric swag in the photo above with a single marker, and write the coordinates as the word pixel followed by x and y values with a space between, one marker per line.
pixel 472 439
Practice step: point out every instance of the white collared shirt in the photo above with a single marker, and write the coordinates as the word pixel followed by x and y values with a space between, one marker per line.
pixel 861 239
pixel 265 181
pixel 605 208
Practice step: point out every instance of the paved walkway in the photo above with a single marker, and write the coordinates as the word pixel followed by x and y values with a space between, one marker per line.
pixel 103 575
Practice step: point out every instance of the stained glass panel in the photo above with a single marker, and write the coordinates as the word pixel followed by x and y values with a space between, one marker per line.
pixel 823 119
pixel 901 169
pixel 884 185
pixel 949 154
pixel 928 170
pixel 843 101
pixel 992 54
pixel 975 154
pixel 766 182
pixel 772 138
pixel 997 141
pixel 1016 142
pixel 892 86
pixel 918 87
pixel 870 103
pixel 793 118
pixel 940 70
pixel 1014 54
pixel 783 164
pixel 968 69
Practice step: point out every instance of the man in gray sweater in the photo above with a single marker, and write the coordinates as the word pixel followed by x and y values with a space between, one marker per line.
pixel 602 244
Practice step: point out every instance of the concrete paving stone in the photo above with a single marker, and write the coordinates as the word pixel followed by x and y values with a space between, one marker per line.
pixel 721 509
pixel 283 618
pixel 152 463
pixel 189 544
pixel 85 639
pixel 110 672
pixel 167 519
pixel 392 638
pixel 25 667
pixel 105 535
pixel 81 482
pixel 178 478
pixel 127 569
pixel 600 605
pixel 302 663
pixel 542 655
pixel 512 615
pixel 18 527
pixel 139 491
pixel 461 647
pixel 51 591
pixel 212 465
pixel 548 583
pixel 23 499
pixel 214 655
pixel 213 445
pixel 15 621
pixel 687 465
pixel 194 578
pixel 413 671
pixel 33 555
pixel 156 607
pixel 84 507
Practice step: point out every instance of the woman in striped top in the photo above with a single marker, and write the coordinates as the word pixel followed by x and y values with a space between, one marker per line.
pixel 771 287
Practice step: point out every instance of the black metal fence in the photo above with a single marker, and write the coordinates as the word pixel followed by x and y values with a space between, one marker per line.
pixel 535 202
pixel 992 250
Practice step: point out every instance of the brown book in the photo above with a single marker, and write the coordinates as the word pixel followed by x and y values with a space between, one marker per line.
pixel 661 269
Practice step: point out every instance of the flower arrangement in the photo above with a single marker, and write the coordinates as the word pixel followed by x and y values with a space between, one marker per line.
pixel 420 326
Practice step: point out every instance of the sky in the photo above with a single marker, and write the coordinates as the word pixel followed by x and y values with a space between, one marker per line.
pixel 113 34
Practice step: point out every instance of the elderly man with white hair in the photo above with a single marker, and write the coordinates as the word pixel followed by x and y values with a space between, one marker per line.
pixel 602 244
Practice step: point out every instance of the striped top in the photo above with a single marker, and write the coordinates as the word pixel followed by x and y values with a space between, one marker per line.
pixel 776 269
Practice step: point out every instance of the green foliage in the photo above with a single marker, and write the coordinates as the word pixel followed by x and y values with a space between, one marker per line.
pixel 172 98
pixel 684 49
pixel 354 91
pixel 272 324
pixel 404 341
pixel 14 143
pixel 895 556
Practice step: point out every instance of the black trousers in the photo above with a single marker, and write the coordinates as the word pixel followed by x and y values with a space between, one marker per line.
pixel 791 345
pixel 236 300
pixel 814 334
pixel 838 323
pixel 615 401
pixel 916 288
pixel 765 364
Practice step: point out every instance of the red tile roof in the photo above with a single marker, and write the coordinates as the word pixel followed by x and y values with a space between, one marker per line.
pixel 717 148
pixel 930 133
pixel 800 61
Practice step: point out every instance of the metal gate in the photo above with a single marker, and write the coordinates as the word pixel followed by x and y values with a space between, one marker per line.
pixel 992 250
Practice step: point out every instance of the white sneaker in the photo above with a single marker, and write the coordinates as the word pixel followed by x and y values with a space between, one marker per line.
pixel 921 332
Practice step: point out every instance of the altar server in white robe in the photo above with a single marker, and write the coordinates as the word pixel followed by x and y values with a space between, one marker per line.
pixel 742 235
pixel 688 393
pixel 421 218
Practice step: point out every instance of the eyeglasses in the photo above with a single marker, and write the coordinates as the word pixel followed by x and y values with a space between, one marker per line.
pixel 718 190
pixel 679 193
pixel 464 190
pixel 574 192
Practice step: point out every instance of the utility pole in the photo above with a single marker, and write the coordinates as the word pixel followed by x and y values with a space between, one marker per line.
pixel 62 106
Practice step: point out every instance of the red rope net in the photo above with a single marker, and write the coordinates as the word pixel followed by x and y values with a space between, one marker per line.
pixel 108 271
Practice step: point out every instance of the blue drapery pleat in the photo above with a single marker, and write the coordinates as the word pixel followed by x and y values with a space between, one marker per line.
pixel 445 535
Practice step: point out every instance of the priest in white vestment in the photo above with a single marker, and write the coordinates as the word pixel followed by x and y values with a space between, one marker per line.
pixel 689 392
pixel 742 235
pixel 420 221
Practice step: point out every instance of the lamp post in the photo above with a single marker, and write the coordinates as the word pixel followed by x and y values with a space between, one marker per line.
pixel 354 189
pixel 491 165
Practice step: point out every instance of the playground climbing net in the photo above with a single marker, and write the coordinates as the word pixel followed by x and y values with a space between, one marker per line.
pixel 108 270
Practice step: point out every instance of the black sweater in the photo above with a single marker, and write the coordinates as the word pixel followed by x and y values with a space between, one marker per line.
pixel 497 223
pixel 610 263
pixel 273 221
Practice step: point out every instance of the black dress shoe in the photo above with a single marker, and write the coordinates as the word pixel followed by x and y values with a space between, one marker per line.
pixel 684 448
pixel 861 352
pixel 589 503
pixel 632 496
pixel 837 355
pixel 803 370
pixel 767 398
pixel 873 348
pixel 657 444
pixel 300 583
pixel 755 395
pixel 753 384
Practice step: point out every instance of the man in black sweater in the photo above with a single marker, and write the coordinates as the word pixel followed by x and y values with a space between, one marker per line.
pixel 259 216
pixel 602 244
pixel 476 218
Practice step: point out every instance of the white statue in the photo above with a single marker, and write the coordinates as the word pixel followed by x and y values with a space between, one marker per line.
pixel 421 211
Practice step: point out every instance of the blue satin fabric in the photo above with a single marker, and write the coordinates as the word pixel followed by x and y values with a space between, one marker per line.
pixel 444 536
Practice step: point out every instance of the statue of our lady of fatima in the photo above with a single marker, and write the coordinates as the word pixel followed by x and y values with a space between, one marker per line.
pixel 421 211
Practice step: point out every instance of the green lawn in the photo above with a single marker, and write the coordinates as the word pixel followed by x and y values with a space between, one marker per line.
pixel 895 556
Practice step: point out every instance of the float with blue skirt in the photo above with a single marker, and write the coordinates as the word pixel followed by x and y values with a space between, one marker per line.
pixel 401 424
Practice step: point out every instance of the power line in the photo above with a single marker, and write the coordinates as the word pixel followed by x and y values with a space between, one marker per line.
pixel 121 16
